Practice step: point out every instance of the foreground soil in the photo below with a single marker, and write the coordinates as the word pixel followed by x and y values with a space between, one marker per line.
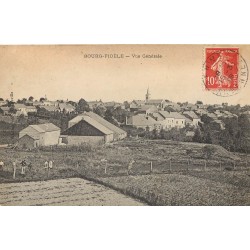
pixel 199 189
pixel 62 192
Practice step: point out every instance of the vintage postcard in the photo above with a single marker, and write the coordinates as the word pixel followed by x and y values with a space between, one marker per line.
pixel 125 125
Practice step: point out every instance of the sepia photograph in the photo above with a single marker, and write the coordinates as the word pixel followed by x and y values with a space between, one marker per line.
pixel 124 125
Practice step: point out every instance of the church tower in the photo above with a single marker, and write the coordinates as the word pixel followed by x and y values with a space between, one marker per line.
pixel 147 95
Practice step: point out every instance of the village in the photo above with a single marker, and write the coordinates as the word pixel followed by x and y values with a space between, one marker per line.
pixel 98 122
pixel 150 151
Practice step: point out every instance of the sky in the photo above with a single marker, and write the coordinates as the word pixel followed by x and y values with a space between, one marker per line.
pixel 63 72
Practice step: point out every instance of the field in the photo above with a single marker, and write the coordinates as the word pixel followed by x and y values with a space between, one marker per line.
pixel 164 172
pixel 73 191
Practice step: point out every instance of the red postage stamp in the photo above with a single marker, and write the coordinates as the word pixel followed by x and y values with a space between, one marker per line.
pixel 221 68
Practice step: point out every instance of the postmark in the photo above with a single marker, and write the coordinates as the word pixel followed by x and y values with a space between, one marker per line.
pixel 225 71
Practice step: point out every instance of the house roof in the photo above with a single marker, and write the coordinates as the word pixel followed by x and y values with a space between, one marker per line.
pixel 191 114
pixel 19 106
pixel 158 116
pixel 142 120
pixel 50 108
pixel 97 125
pixel 147 107
pixel 174 115
pixel 105 123
pixel 5 108
pixel 155 101
pixel 138 102
pixel 46 127
pixel 33 136
pixel 66 106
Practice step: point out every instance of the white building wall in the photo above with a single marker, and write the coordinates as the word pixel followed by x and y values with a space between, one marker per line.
pixel 78 140
pixel 51 138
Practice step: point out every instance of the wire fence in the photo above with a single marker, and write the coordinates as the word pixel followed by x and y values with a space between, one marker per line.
pixel 108 169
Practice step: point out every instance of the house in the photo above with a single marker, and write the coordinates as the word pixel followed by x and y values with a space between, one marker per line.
pixel 113 105
pixel 172 107
pixel 4 110
pixel 88 130
pixel 142 121
pixel 66 107
pixel 31 109
pixel 159 103
pixel 119 134
pixel 193 117
pixel 42 134
pixel 147 109
pixel 45 109
pixel 172 120
pixel 135 105
pixel 95 104
pixel 20 109
pixel 189 106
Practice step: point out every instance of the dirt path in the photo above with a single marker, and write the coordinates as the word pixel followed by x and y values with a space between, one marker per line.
pixel 63 192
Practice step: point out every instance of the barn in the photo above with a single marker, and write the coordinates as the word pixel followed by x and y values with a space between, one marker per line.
pixel 28 142
pixel 87 130
pixel 119 134
pixel 44 134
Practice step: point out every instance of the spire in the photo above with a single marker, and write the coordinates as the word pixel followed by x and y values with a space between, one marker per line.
pixel 147 95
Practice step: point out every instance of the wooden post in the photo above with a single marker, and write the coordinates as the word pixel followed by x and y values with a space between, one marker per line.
pixel 188 164
pixel 246 163
pixel 234 165
pixel 205 166
pixel 48 172
pixel 220 166
pixel 151 167
pixel 170 167
pixel 14 173
pixel 105 169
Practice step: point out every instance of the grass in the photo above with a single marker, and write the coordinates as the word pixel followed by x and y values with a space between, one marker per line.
pixel 165 186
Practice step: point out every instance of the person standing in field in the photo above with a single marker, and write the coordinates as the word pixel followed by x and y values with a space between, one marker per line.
pixel 1 165
pixel 23 167
pixel 50 164
pixel 46 165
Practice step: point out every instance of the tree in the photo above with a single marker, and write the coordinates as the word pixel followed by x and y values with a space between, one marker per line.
pixel 1 99
pixel 31 99
pixel 208 138
pixel 100 110
pixel 199 102
pixel 12 110
pixel 197 136
pixel 82 106
pixel 42 99
pixel 208 151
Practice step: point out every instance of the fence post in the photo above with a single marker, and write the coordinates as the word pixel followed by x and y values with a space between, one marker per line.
pixel 105 169
pixel 188 163
pixel 246 163
pixel 170 167
pixel 234 165
pixel 220 166
pixel 205 166
pixel 151 167
pixel 14 173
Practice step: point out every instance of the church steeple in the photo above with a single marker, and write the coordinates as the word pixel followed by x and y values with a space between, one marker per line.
pixel 147 95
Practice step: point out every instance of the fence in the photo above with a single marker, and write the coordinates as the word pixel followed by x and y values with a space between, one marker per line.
pixel 106 168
